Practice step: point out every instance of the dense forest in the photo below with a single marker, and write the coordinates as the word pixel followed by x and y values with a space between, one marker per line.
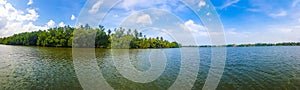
pixel 66 36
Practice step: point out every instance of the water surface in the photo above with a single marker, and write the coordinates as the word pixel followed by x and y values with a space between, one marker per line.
pixel 247 68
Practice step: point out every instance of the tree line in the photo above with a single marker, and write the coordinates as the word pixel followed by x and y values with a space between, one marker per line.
pixel 80 36
pixel 265 44
pixel 251 45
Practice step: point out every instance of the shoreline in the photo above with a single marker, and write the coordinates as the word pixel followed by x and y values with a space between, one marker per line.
pixel 154 48
pixel 81 47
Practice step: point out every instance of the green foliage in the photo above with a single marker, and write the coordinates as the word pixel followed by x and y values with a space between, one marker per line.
pixel 252 45
pixel 79 37
pixel 135 39
pixel 265 44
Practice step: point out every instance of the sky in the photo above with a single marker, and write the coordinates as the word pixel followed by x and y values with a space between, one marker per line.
pixel 244 21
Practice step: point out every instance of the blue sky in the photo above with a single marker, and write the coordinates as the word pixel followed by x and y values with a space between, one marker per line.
pixel 244 21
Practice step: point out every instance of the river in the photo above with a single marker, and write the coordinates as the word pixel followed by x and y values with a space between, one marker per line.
pixel 247 68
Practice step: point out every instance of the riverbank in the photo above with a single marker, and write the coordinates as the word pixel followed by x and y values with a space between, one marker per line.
pixel 249 45
pixel 81 37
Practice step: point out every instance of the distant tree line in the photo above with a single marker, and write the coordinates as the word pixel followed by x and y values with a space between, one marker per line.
pixel 251 45
pixel 67 36
pixel 266 44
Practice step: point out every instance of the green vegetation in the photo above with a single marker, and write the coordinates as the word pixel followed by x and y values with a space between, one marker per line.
pixel 252 45
pixel 266 44
pixel 66 36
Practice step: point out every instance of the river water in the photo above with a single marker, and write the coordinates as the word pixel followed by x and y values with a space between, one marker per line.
pixel 247 68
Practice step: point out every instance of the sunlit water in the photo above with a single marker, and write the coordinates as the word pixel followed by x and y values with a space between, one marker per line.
pixel 247 68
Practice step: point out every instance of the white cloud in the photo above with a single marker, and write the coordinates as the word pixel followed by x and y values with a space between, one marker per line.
pixel 50 24
pixel 229 3
pixel 73 17
pixel 2 2
pixel 32 15
pixel 145 19
pixel 191 33
pixel 14 21
pixel 9 12
pixel 95 8
pixel 201 3
pixel 19 27
pixel 3 22
pixel 299 20
pixel 196 29
pixel 61 24
pixel 279 14
pixel 30 2
pixel 31 27
pixel 208 14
